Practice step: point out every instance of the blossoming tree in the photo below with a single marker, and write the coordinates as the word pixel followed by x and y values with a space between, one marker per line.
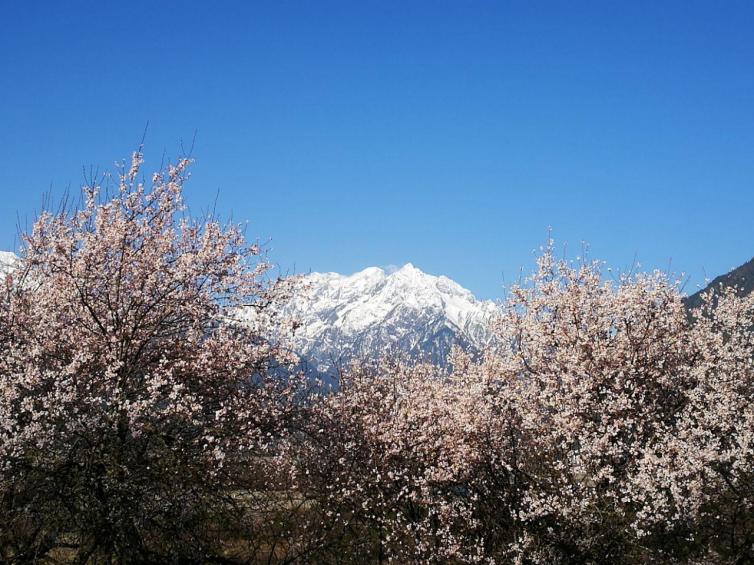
pixel 609 424
pixel 147 412
pixel 132 403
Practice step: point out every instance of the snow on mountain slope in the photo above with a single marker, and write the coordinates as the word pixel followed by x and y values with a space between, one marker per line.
pixel 371 312
pixel 7 261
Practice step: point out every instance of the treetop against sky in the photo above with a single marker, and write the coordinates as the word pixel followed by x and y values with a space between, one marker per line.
pixel 447 134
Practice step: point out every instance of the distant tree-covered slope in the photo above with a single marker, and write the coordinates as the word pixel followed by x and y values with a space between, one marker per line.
pixel 741 277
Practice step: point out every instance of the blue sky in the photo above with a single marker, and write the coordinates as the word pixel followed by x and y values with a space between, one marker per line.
pixel 446 133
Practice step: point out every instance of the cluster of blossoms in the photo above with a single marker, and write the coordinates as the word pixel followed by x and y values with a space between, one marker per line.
pixel 150 413
pixel 608 425
pixel 132 402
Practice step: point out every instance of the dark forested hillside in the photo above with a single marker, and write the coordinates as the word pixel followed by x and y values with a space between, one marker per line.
pixel 741 277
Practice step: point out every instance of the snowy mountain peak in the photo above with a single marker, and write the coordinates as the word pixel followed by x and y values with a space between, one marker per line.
pixel 371 311
pixel 409 270
pixel 7 261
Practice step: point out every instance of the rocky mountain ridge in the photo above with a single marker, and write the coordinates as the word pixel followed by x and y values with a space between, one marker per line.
pixel 370 312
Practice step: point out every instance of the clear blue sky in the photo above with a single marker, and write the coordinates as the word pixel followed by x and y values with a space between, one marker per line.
pixel 446 133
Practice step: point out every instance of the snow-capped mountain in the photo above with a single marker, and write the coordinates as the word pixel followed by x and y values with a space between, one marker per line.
pixel 372 311
pixel 7 261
